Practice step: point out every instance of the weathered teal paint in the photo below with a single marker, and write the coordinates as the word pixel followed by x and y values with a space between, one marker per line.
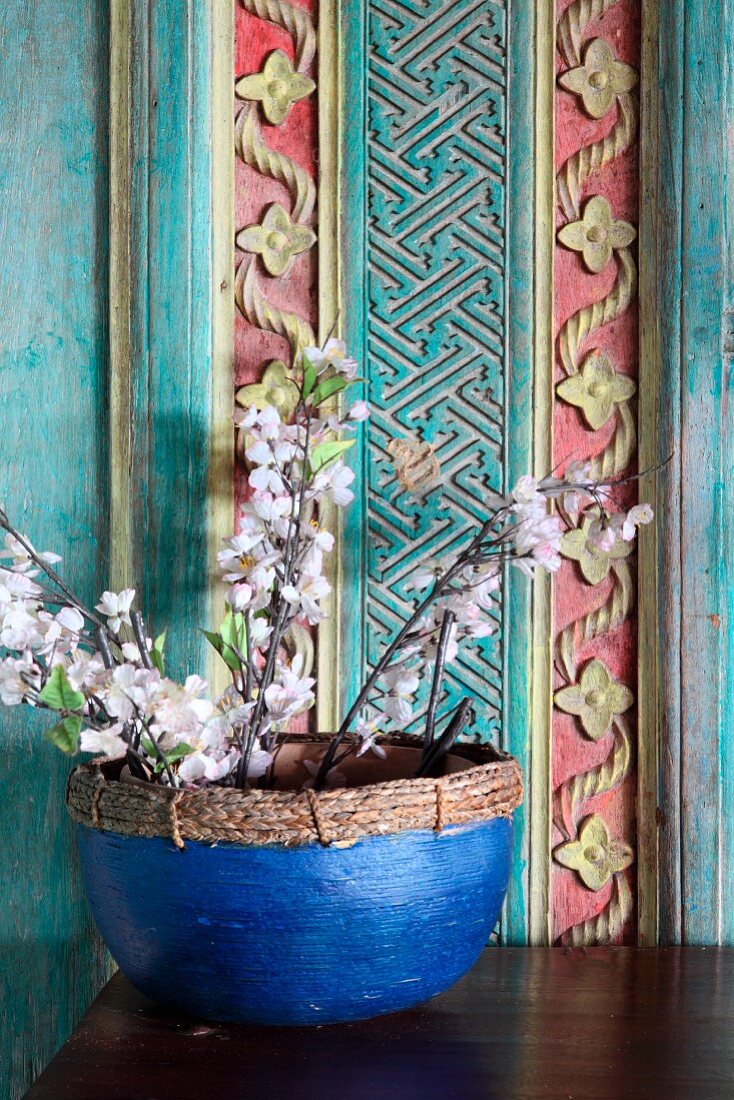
pixel 438 191
pixel 171 250
pixel 53 478
pixel 695 291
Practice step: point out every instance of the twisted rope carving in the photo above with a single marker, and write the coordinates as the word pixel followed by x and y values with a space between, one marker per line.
pixel 573 23
pixel 590 318
pixel 620 449
pixel 605 777
pixel 252 148
pixel 611 614
pixel 256 309
pixel 608 924
pixel 292 18
pixel 577 169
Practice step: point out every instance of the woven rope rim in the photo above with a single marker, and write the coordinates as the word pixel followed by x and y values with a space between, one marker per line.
pixel 491 788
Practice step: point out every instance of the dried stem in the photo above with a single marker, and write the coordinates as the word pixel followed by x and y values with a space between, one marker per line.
pixel 443 640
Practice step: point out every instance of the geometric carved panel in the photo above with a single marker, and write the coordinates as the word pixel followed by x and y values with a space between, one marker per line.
pixel 437 130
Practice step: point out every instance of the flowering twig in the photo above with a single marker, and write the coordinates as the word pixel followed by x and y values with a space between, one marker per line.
pixel 447 623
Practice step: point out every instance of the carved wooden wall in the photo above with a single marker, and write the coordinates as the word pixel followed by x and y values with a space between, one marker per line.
pixel 594 725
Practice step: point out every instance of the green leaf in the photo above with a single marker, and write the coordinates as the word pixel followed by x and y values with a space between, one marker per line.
pixel 326 452
pixel 176 753
pixel 309 378
pixel 58 692
pixel 156 653
pixel 65 734
pixel 225 651
pixel 328 388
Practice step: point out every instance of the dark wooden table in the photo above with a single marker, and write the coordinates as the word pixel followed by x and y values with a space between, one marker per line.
pixel 607 1024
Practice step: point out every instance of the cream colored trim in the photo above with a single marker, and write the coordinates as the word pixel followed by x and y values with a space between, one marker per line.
pixel 329 294
pixel 648 689
pixel 221 468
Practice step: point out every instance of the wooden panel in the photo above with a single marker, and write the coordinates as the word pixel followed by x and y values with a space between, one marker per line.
pixel 428 177
pixel 594 773
pixel 53 454
pixel 171 364
pixel 692 304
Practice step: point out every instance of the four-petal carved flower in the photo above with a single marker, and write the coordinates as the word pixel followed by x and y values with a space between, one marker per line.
pixel 596 389
pixel 277 239
pixel 600 79
pixel 277 388
pixel 597 234
pixel 277 87
pixel 594 856
pixel 594 562
pixel 595 699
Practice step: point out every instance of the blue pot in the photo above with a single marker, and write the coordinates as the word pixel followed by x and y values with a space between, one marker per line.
pixel 308 935
pixel 299 933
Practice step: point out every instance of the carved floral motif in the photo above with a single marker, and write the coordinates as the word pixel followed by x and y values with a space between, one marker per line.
pixel 594 384
pixel 277 239
pixel 600 79
pixel 597 234
pixel 595 699
pixel 278 388
pixel 276 87
pixel 596 389
pixel 594 562
pixel 595 856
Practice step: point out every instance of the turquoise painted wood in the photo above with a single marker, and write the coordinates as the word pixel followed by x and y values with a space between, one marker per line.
pixel 171 248
pixel 438 165
pixel 53 479
pixel 695 304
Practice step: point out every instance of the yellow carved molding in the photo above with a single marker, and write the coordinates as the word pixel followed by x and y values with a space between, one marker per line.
pixel 276 87
pixel 592 317
pixel 595 856
pixel 278 387
pixel 594 562
pixel 597 389
pixel 292 18
pixel 607 925
pixel 597 234
pixel 277 240
pixel 595 700
pixel 600 79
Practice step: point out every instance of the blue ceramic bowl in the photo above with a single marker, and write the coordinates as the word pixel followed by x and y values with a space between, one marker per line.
pixel 307 934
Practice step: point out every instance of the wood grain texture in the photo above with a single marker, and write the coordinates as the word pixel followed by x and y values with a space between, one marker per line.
pixel 693 189
pixel 525 1023
pixel 179 403
pixel 54 482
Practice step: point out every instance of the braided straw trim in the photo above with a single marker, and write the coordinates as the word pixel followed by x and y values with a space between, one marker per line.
pixel 492 788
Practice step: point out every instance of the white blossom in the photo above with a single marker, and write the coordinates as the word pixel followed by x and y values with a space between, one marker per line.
pixel 116 608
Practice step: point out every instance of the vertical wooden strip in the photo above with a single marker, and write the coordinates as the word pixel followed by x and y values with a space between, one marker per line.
pixel 726 869
pixel 353 240
pixel 668 199
pixel 705 715
pixel 329 321
pixel 221 463
pixel 648 680
pixel 517 731
pixel 172 305
pixel 540 751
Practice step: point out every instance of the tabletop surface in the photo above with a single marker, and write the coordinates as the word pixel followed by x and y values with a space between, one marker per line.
pixel 603 1024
